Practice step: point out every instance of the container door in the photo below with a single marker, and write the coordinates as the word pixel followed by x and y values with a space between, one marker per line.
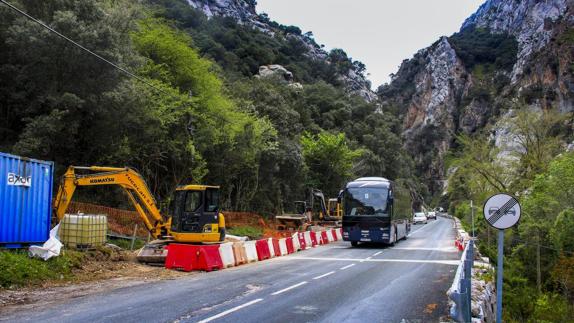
pixel 10 200
pixel 35 214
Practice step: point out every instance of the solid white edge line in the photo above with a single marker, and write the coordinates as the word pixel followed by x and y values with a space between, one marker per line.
pixel 231 310
pixel 288 288
pixel 324 275
pixel 347 266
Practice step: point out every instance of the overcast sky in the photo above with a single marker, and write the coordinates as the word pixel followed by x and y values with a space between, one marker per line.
pixel 379 33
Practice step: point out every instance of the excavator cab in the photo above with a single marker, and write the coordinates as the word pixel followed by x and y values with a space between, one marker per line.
pixel 195 214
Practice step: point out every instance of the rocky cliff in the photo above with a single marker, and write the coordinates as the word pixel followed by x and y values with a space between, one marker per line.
pixel 510 54
pixel 244 12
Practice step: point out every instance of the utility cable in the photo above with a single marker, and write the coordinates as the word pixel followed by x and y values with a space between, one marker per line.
pixel 533 244
pixel 123 70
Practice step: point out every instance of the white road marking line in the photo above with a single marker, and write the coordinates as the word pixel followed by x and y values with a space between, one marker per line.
pixel 440 262
pixel 231 310
pixel 377 253
pixel 368 258
pixel 288 288
pixel 347 266
pixel 431 249
pixel 324 275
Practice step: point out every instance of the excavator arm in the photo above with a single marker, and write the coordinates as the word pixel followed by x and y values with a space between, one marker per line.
pixel 131 182
pixel 324 212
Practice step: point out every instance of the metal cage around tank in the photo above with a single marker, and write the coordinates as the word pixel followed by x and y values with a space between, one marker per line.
pixel 25 200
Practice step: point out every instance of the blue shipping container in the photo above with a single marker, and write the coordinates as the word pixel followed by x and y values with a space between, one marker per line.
pixel 25 200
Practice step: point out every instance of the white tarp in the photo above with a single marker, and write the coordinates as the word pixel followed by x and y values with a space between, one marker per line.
pixel 51 248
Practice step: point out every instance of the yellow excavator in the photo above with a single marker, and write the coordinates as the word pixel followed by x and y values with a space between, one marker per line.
pixel 195 212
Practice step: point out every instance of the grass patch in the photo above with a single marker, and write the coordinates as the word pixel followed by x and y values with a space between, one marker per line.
pixel 17 269
pixel 251 232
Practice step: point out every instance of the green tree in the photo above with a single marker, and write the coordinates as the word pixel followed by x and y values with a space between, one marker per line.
pixel 329 160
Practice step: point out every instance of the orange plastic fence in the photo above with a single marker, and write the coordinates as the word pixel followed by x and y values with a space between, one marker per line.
pixel 119 221
pixel 123 221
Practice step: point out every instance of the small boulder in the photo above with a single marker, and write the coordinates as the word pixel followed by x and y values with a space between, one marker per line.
pixel 275 71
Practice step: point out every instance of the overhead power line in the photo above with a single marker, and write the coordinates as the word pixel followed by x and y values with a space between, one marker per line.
pixel 123 70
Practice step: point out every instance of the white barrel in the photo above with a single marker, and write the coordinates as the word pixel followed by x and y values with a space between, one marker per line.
pixel 226 253
pixel 330 236
pixel 296 244
pixel 308 240
pixel 339 234
pixel 283 246
pixel 250 251
pixel 271 249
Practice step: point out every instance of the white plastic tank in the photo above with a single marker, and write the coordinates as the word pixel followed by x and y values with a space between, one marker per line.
pixel 83 231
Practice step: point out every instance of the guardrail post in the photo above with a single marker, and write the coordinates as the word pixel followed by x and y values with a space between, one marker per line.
pixel 466 283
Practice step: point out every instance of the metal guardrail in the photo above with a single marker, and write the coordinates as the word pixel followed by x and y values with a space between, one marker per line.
pixel 460 291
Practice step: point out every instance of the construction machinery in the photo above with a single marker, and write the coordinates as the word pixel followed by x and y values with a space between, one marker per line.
pixel 300 220
pixel 195 216
pixel 328 215
pixel 305 217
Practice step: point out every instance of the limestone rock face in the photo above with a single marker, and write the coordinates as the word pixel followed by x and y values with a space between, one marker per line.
pixel 243 11
pixel 530 21
pixel 437 86
pixel 440 81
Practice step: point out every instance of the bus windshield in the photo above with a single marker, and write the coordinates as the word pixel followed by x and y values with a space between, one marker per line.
pixel 365 201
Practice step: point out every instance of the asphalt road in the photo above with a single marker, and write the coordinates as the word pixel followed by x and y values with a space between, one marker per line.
pixel 332 283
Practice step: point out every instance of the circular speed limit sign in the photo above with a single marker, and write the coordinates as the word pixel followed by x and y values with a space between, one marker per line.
pixel 502 211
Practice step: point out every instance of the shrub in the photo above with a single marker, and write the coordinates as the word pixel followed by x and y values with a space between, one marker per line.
pixel 249 231
pixel 18 269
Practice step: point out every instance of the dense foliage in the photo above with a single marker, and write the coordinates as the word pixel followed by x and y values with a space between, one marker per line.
pixel 540 249
pixel 199 115
pixel 477 46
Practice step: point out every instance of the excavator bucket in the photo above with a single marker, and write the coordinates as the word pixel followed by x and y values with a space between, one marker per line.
pixel 153 253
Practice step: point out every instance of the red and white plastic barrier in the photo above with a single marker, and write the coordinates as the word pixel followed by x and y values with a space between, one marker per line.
pixel 315 238
pixel 289 245
pixel 213 257
pixel 302 241
pixel 324 239
pixel 276 248
pixel 193 257
pixel 263 251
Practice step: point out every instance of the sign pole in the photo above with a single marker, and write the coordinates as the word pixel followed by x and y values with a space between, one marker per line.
pixel 499 276
pixel 501 211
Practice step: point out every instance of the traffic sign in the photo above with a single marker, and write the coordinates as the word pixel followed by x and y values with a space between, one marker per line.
pixel 502 211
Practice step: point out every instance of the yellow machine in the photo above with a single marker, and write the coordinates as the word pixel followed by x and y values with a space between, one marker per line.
pixel 334 208
pixel 195 210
